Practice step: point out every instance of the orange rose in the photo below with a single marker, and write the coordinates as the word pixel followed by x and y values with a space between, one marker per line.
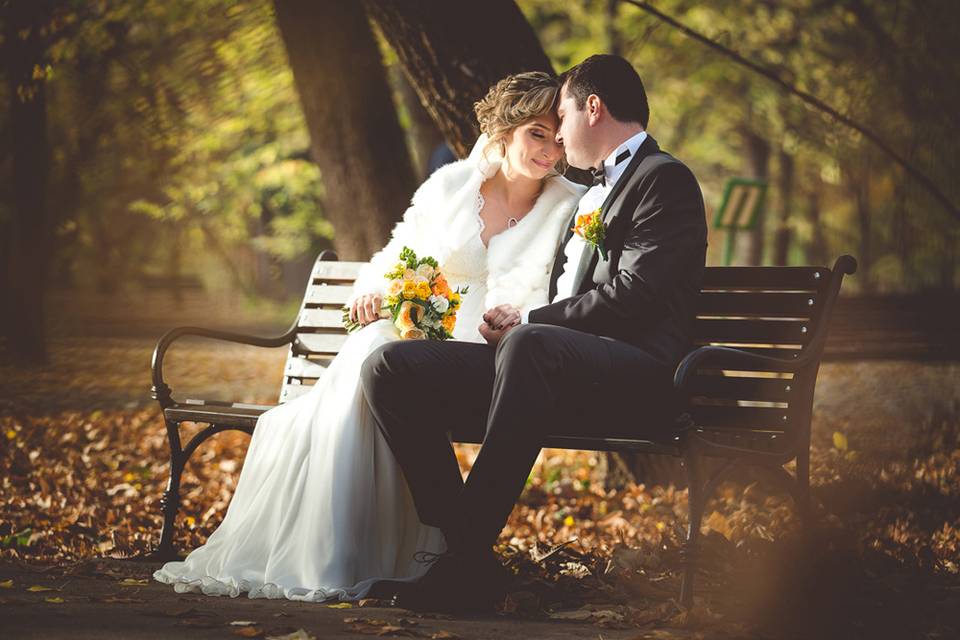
pixel 409 315
pixel 412 334
pixel 449 322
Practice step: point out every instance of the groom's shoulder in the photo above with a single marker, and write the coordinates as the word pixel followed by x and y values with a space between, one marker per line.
pixel 662 165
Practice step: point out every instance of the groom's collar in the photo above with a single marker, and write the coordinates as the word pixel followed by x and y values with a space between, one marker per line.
pixel 616 163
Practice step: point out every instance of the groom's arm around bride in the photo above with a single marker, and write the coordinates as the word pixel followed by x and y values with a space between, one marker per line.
pixel 596 361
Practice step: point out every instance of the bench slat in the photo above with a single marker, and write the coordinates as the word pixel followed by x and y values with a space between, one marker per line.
pixel 328 294
pixel 771 418
pixel 335 270
pixel 244 416
pixel 321 343
pixel 321 319
pixel 300 367
pixel 292 391
pixel 743 388
pixel 760 303
pixel 752 331
pixel 757 440
pixel 766 278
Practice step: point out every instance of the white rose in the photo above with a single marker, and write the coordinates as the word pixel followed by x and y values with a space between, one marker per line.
pixel 440 304
pixel 418 279
pixel 425 271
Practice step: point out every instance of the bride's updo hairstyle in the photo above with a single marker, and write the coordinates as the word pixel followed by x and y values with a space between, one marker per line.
pixel 512 102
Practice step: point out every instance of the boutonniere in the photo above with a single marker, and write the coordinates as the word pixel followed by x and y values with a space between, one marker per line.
pixel 590 227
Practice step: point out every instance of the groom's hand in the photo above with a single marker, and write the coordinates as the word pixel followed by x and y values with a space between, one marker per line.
pixel 498 321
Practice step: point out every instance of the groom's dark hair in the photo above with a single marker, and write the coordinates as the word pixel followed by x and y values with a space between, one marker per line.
pixel 616 83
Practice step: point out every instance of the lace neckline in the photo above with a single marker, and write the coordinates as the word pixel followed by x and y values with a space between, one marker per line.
pixel 481 202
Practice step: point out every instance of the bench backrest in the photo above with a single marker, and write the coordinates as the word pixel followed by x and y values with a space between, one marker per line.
pixel 320 331
pixel 772 311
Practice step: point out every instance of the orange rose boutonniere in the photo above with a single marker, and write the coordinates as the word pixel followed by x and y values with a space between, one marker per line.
pixel 590 227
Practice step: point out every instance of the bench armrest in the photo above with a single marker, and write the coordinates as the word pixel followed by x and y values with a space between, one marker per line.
pixel 160 390
pixel 731 358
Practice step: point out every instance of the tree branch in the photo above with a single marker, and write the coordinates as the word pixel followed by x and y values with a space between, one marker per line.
pixel 811 100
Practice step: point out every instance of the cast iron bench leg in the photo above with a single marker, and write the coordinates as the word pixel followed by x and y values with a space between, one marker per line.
pixel 691 464
pixel 170 501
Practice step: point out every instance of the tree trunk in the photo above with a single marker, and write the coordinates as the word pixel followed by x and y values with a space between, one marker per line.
pixel 355 137
pixel 781 246
pixel 424 134
pixel 858 185
pixel 611 33
pixel 30 229
pixel 758 164
pixel 817 249
pixel 453 52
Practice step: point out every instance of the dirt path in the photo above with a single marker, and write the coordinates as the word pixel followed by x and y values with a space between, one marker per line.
pixel 112 599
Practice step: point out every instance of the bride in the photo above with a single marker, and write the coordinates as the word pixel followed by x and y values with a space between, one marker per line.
pixel 321 510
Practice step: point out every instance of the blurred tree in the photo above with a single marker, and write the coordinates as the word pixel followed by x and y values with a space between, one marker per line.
pixel 26 231
pixel 454 52
pixel 355 137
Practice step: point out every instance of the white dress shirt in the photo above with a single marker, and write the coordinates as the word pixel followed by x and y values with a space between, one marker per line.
pixel 590 201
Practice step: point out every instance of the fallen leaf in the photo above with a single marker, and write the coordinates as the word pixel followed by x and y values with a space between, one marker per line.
pixel 199 623
pixel 133 582
pixel 340 605
pixel 122 600
pixel 37 588
pixel 448 635
pixel 248 632
pixel 54 600
pixel 299 634
pixel 242 623
pixel 570 615
pixel 840 441
pixel 7 584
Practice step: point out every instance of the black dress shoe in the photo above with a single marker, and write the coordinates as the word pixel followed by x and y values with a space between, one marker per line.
pixel 385 589
pixel 457 583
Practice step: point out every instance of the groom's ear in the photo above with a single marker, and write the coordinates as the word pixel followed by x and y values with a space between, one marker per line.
pixel 594 107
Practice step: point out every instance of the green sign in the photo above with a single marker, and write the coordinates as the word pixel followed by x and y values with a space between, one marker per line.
pixel 739 210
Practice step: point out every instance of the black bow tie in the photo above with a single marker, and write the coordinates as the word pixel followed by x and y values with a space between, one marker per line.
pixel 600 175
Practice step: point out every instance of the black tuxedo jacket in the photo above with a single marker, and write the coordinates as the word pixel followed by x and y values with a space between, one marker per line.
pixel 645 292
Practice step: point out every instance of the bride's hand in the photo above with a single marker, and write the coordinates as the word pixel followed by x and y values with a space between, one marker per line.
pixel 502 316
pixel 366 308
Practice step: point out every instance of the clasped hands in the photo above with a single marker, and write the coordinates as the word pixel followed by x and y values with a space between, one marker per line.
pixel 497 321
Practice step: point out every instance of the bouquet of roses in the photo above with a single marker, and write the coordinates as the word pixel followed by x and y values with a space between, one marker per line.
pixel 419 300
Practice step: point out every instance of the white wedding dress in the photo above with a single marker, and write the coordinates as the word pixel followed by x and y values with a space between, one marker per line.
pixel 322 510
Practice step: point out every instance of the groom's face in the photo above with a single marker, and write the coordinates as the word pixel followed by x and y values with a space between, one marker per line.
pixel 575 132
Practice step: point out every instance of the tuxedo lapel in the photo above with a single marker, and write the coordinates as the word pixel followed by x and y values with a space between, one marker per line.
pixel 648 147
pixel 560 258
pixel 587 260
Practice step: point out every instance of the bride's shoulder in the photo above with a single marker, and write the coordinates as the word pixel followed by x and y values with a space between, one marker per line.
pixel 566 189
pixel 444 180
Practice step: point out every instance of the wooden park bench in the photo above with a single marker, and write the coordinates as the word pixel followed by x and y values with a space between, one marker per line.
pixel 747 388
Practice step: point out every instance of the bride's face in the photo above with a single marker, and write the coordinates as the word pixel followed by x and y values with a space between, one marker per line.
pixel 531 149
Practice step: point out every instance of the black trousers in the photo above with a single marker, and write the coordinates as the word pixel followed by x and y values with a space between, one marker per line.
pixel 540 380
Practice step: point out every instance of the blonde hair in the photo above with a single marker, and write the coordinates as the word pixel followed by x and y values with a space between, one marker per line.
pixel 512 102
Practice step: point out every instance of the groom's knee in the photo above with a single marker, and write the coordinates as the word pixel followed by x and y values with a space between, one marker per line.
pixel 528 341
pixel 378 368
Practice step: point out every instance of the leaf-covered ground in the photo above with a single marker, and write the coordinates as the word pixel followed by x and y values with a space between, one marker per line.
pixel 83 464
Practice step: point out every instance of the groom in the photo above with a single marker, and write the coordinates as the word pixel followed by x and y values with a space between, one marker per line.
pixel 597 360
